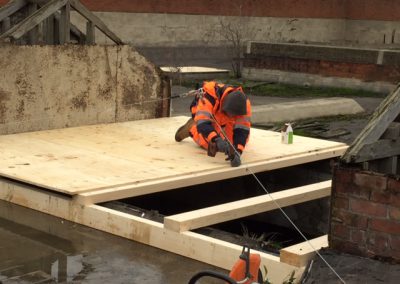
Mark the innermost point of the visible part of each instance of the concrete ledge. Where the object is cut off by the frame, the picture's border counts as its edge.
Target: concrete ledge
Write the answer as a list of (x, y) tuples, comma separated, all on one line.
[(195, 72), (291, 111)]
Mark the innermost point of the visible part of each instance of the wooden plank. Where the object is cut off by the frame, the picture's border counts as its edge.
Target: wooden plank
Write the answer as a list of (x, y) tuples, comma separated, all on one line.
[(380, 149), (96, 21), (246, 207), (188, 244), (385, 114), (137, 189), (90, 35), (30, 22), (300, 254), (11, 7), (132, 158), (64, 23)]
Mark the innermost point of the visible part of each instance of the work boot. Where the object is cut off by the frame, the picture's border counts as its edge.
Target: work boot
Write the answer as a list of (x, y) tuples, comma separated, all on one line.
[(183, 131)]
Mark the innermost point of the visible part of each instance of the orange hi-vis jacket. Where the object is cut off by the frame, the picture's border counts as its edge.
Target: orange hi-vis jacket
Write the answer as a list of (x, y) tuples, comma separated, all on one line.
[(209, 117)]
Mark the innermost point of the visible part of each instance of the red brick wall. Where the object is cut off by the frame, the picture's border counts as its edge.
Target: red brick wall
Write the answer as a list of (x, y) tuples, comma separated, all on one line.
[(388, 10), (262, 8), (365, 214), (365, 72), (385, 10)]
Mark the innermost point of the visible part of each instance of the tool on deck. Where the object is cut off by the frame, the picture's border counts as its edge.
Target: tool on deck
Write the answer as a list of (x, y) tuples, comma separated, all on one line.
[(246, 270)]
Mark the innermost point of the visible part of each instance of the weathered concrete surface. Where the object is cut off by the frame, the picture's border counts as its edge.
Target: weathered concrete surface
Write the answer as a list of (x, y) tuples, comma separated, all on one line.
[(47, 87), (176, 30), (303, 109)]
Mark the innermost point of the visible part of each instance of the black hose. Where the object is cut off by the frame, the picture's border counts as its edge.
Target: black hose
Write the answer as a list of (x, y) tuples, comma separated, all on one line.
[(213, 274)]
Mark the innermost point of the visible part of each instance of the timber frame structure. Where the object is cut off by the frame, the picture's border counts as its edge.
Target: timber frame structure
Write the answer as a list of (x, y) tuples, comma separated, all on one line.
[(120, 160), (48, 22), (377, 147)]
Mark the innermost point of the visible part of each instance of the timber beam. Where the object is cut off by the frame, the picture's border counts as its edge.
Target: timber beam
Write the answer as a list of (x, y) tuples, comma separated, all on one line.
[(246, 207), (192, 245), (300, 254)]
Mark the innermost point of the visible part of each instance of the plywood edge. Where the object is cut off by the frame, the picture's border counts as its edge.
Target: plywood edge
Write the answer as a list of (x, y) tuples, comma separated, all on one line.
[(300, 254), (137, 189), (199, 247), (246, 207)]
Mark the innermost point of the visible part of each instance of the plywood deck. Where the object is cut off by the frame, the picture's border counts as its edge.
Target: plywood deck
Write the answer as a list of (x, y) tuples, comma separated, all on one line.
[(139, 157), (112, 161)]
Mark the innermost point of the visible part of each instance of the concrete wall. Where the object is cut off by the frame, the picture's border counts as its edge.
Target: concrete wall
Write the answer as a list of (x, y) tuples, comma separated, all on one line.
[(176, 30), (194, 22), (47, 87), (365, 214)]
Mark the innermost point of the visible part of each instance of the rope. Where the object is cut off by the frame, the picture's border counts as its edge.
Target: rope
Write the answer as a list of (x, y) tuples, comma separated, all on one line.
[(247, 169), (279, 207)]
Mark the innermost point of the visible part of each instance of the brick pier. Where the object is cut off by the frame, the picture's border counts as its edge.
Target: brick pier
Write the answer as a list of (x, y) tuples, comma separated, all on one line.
[(365, 214)]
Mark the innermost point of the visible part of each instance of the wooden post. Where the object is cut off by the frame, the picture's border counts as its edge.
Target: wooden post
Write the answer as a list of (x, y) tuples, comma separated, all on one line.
[(64, 27), (49, 30), (389, 165), (33, 33), (90, 33)]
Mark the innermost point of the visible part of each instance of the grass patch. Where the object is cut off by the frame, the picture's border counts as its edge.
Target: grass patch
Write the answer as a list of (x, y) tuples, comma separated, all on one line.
[(289, 90)]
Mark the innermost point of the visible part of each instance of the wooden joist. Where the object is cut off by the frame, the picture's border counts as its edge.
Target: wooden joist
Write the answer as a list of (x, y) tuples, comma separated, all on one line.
[(300, 254), (33, 20), (81, 9), (246, 207), (188, 244)]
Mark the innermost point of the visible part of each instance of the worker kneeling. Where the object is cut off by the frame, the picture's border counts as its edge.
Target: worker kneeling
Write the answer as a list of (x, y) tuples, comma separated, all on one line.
[(220, 121)]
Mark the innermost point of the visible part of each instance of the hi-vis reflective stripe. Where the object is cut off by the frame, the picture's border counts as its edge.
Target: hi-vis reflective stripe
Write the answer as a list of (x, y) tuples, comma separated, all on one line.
[(203, 112), (243, 120), (241, 127), (201, 121)]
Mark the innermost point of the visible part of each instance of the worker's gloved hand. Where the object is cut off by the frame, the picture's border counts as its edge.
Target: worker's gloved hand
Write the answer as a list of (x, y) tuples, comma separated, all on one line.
[(222, 145), (235, 160)]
